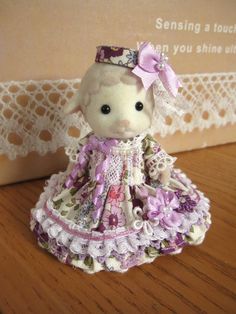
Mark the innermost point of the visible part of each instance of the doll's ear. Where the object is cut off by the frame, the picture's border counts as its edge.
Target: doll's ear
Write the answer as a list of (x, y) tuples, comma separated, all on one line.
[(73, 105)]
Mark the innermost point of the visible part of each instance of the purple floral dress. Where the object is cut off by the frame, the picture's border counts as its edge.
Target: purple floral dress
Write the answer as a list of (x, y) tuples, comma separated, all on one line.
[(111, 212)]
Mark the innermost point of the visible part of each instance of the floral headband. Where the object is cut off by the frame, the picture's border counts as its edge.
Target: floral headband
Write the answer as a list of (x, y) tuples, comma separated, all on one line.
[(146, 63)]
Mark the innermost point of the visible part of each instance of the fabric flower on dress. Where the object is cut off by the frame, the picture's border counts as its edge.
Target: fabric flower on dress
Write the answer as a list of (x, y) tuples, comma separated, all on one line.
[(113, 218), (116, 194), (154, 208), (172, 220), (142, 221), (161, 208)]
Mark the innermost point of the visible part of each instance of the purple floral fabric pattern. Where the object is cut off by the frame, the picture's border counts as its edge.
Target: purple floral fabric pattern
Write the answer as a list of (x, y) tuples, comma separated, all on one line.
[(114, 218), (116, 194), (115, 55), (187, 203), (137, 218)]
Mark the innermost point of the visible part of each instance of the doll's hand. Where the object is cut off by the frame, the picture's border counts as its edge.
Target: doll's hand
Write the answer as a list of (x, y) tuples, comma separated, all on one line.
[(70, 166), (159, 169), (165, 176)]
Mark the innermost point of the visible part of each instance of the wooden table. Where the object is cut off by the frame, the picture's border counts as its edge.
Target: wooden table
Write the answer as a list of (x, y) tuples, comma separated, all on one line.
[(200, 280)]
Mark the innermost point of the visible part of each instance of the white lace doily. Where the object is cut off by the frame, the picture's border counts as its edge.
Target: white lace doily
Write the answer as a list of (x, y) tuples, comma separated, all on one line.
[(206, 99), (32, 117)]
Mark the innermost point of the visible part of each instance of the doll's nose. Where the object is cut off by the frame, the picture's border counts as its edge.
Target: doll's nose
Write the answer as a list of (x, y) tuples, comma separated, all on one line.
[(124, 123)]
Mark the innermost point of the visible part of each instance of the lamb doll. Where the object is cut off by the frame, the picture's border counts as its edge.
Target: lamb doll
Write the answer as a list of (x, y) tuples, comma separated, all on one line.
[(121, 202)]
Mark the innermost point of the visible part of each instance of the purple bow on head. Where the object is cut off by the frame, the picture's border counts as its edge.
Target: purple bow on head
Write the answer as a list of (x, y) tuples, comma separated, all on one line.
[(153, 65)]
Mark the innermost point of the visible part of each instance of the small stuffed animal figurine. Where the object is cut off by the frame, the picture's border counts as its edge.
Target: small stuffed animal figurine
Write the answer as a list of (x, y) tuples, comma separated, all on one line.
[(121, 202)]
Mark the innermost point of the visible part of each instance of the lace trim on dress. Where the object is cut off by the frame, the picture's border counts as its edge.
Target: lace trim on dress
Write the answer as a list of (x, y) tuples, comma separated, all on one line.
[(159, 162), (130, 143)]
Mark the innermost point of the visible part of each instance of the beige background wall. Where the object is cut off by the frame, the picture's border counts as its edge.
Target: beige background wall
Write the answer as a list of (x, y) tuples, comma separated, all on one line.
[(53, 39), (57, 38)]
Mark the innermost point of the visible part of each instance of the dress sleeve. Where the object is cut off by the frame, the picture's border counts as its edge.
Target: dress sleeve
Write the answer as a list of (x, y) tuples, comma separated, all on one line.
[(73, 150), (156, 158)]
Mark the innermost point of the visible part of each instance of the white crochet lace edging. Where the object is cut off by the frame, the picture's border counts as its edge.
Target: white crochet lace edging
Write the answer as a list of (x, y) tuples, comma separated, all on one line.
[(83, 244), (122, 145), (159, 163), (32, 116), (130, 143), (206, 100)]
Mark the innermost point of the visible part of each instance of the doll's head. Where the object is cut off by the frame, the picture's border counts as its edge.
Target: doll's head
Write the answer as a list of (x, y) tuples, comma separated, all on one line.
[(115, 100)]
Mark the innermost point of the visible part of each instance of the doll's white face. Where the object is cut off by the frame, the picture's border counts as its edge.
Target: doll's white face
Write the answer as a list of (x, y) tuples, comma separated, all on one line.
[(120, 111)]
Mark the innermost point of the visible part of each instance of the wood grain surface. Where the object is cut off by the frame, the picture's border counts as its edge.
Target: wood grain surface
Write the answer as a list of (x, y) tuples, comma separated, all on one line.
[(200, 280)]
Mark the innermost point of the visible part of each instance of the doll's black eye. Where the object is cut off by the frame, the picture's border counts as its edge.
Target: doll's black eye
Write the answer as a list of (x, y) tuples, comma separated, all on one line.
[(139, 106), (105, 109)]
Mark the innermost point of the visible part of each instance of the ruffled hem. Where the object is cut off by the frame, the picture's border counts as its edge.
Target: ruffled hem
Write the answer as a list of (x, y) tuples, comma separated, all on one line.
[(93, 243), (72, 245), (119, 262)]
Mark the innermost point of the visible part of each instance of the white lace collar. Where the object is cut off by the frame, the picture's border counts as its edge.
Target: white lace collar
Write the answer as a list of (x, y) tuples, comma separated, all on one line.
[(131, 142)]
